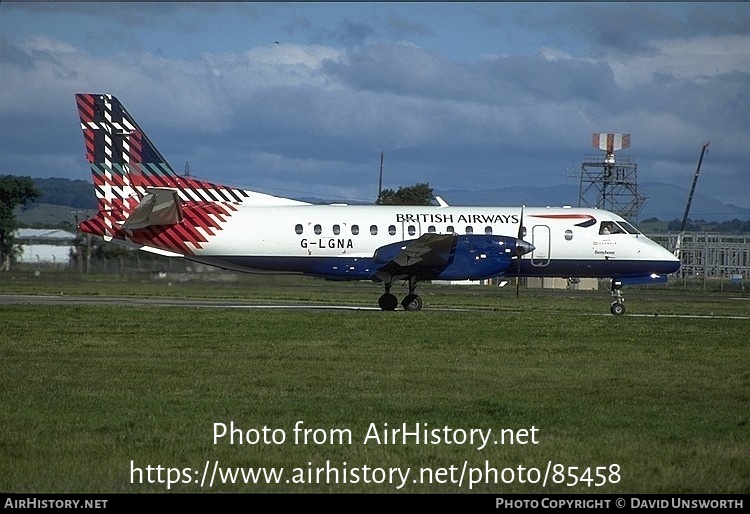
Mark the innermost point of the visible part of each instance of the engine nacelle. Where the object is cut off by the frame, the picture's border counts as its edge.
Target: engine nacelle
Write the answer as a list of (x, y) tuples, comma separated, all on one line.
[(450, 256), (479, 256)]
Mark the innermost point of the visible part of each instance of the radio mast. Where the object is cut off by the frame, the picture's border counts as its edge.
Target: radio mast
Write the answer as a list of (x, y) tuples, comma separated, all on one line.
[(609, 182)]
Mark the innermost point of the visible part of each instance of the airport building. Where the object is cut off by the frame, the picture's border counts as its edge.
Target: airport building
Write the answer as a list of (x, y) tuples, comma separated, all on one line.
[(45, 246), (711, 256), (708, 257)]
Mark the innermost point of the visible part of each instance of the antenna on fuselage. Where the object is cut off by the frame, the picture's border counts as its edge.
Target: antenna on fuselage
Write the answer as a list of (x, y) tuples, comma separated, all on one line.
[(518, 258)]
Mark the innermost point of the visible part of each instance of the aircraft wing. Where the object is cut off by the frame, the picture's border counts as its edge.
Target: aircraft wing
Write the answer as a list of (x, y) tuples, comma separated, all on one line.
[(449, 256), (427, 251)]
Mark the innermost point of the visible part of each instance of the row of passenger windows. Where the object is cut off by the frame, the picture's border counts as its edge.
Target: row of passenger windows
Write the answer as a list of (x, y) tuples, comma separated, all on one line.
[(410, 229), (607, 227)]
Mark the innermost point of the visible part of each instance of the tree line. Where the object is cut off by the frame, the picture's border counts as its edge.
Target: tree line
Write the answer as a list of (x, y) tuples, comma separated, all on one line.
[(14, 191)]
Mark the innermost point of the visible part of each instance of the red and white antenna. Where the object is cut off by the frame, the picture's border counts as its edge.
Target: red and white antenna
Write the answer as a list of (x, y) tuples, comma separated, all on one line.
[(610, 143)]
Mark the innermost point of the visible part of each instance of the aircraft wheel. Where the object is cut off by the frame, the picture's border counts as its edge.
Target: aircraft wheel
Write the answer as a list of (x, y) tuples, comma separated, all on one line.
[(412, 302), (617, 309), (388, 302)]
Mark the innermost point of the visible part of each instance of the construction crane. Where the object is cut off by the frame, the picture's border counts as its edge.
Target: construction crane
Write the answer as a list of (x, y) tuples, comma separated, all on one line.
[(690, 200)]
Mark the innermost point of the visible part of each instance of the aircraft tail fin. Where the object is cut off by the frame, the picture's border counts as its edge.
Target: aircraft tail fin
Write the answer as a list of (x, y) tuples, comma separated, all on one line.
[(125, 164)]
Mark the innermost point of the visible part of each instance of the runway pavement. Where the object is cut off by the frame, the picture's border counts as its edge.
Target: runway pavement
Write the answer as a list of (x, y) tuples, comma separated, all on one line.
[(21, 299), (9, 299)]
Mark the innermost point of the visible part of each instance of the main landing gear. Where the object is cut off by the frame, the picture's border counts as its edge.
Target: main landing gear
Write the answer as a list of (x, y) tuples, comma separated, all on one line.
[(411, 302), (618, 304)]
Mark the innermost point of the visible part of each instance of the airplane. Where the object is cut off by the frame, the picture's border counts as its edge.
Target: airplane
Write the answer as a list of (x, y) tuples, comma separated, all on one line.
[(144, 204)]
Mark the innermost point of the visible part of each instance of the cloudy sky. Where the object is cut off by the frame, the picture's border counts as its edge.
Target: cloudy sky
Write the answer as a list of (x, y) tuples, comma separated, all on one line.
[(299, 99)]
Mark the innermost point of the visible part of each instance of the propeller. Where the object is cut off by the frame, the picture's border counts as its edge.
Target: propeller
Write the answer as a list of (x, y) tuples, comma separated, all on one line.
[(518, 258)]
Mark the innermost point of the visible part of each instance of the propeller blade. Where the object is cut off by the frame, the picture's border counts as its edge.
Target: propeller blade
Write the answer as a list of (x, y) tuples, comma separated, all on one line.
[(518, 258)]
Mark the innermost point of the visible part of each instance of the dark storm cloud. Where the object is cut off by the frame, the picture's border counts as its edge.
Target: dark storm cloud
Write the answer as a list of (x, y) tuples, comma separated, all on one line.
[(127, 13), (622, 28), (401, 27), (314, 117), (12, 56), (406, 70), (719, 19), (635, 26), (346, 32)]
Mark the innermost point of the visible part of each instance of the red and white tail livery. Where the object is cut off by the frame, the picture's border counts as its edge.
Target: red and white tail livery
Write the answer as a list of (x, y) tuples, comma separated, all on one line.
[(143, 204)]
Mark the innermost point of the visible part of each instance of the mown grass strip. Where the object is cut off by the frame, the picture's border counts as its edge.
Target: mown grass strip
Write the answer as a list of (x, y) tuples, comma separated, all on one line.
[(87, 389)]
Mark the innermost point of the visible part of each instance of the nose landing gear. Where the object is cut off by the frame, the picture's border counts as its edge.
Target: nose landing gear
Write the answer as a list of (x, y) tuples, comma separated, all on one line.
[(618, 305)]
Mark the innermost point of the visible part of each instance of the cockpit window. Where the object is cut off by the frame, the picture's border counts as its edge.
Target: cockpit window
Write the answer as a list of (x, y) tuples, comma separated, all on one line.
[(610, 227), (629, 228), (621, 227)]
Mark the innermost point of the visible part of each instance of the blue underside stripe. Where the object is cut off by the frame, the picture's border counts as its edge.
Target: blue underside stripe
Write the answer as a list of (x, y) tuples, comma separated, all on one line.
[(362, 269)]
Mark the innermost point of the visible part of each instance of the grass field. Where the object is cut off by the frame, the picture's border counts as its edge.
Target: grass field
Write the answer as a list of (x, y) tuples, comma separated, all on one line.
[(92, 395)]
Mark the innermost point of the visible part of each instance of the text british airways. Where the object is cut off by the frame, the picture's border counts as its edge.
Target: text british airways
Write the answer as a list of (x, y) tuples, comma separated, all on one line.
[(461, 218)]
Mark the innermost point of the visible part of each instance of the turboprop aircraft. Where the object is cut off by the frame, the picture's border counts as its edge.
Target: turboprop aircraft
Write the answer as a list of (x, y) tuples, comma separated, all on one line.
[(144, 204)]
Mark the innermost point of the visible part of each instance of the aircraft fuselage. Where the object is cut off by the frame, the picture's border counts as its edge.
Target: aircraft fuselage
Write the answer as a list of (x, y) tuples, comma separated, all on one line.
[(335, 241)]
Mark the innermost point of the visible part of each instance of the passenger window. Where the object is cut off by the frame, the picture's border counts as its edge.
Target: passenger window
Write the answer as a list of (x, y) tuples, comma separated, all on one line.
[(412, 230), (298, 228), (568, 235), (336, 229), (355, 229), (469, 229), (450, 229), (431, 229), (392, 230), (318, 229), (374, 230), (488, 230)]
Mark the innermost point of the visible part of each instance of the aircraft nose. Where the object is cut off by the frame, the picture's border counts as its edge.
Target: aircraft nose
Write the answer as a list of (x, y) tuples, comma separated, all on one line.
[(673, 263), (523, 247)]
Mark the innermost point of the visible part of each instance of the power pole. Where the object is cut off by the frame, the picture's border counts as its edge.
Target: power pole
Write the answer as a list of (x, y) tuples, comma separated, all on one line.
[(380, 181)]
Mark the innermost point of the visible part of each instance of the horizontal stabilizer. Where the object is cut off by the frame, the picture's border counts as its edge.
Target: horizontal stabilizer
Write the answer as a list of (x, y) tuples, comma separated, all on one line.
[(160, 206), (145, 248)]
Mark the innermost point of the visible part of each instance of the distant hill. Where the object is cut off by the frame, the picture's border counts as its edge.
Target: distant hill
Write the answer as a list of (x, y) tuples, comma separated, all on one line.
[(664, 201), (61, 201), (78, 194)]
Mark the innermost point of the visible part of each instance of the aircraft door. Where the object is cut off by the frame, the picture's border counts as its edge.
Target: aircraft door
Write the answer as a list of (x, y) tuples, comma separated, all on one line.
[(540, 238)]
